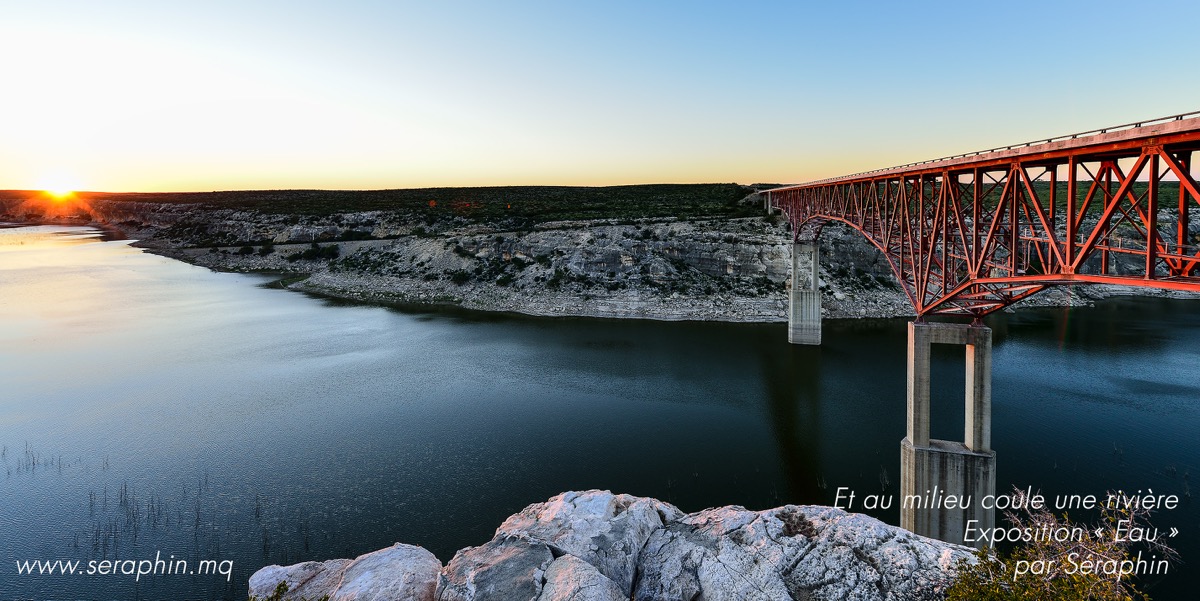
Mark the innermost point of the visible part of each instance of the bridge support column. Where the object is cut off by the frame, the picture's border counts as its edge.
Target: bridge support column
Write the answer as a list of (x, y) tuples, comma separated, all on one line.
[(932, 470), (804, 304)]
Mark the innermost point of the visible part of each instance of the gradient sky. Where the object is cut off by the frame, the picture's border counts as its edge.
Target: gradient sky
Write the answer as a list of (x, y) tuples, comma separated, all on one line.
[(216, 95)]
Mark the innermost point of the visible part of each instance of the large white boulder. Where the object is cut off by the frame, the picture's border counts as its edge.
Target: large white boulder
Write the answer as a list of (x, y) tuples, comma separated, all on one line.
[(398, 573)]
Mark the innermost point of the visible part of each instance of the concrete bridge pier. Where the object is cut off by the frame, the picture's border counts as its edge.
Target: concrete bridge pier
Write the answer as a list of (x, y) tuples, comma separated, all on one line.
[(804, 303), (934, 469)]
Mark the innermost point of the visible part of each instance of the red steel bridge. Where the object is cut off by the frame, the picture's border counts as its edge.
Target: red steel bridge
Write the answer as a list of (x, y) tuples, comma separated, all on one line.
[(973, 233)]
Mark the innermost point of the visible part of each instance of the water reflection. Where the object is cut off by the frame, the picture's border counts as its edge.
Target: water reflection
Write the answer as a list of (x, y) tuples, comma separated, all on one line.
[(154, 405), (793, 401)]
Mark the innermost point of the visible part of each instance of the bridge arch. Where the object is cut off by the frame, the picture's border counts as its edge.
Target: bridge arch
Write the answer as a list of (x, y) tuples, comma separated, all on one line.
[(974, 233), (971, 234)]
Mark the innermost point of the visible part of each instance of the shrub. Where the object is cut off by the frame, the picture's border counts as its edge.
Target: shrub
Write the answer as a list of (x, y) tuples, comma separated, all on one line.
[(356, 235), (322, 252), (280, 593), (994, 576), (316, 251)]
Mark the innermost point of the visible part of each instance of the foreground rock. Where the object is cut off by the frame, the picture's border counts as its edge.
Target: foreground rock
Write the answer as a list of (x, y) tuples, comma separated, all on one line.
[(576, 543), (595, 545), (806, 552), (398, 573)]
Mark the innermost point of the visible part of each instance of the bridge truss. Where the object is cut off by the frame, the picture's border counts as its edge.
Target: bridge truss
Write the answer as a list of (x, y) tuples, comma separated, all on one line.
[(971, 234)]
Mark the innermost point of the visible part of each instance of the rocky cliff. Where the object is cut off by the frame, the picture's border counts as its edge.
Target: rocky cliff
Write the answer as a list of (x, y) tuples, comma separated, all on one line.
[(716, 268), (729, 267), (596, 545)]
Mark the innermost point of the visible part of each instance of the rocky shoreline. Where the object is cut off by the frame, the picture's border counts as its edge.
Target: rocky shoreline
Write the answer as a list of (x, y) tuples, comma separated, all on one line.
[(734, 269), (596, 545)]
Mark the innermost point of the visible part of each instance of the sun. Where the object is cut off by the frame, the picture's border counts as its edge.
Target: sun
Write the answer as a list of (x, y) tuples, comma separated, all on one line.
[(58, 186), (60, 194)]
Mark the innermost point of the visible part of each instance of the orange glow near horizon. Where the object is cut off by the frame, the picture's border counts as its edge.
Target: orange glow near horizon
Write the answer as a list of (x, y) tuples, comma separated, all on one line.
[(52, 203), (58, 184)]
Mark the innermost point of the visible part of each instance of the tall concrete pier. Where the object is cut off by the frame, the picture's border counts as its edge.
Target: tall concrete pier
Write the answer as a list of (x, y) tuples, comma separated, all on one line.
[(804, 304), (935, 469)]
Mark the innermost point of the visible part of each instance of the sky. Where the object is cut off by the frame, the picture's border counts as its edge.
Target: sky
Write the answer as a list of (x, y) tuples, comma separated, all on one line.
[(127, 95)]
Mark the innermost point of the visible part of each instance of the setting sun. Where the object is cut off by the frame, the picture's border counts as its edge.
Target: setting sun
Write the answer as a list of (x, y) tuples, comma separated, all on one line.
[(58, 185)]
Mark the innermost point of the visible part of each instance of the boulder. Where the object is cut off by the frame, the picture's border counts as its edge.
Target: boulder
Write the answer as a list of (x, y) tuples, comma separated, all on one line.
[(504, 568), (597, 529), (571, 579), (398, 573), (605, 530), (600, 546), (792, 552), (311, 579)]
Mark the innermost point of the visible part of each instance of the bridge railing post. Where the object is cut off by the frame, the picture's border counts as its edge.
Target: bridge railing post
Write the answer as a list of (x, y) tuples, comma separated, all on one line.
[(935, 469)]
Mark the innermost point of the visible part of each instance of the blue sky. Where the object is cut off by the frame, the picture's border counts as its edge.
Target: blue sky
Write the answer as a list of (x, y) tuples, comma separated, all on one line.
[(233, 95)]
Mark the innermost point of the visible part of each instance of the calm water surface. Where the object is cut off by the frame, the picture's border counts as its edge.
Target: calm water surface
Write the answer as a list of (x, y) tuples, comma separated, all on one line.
[(151, 406)]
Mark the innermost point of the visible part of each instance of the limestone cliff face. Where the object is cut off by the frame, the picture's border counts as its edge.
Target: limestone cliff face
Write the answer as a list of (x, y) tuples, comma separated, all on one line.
[(700, 269), (704, 269), (715, 269), (733, 270), (596, 545)]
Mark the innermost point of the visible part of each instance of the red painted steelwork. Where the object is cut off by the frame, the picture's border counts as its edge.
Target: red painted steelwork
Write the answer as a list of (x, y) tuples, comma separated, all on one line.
[(971, 234)]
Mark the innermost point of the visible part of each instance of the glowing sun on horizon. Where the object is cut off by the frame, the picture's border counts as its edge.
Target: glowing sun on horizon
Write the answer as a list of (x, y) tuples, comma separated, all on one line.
[(59, 187)]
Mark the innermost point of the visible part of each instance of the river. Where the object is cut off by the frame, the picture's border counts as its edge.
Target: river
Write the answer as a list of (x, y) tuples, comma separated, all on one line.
[(150, 406)]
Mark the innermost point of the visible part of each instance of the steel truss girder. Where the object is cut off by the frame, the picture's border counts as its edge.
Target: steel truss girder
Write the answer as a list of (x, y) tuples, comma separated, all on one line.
[(972, 236)]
